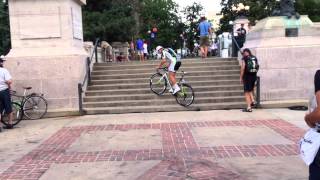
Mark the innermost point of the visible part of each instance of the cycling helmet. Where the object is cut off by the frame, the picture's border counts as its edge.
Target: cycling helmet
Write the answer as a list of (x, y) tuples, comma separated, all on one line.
[(158, 49)]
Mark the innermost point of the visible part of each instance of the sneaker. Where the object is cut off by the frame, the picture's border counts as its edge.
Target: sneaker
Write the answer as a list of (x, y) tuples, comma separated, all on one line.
[(171, 90), (176, 90), (9, 126), (254, 105), (247, 110)]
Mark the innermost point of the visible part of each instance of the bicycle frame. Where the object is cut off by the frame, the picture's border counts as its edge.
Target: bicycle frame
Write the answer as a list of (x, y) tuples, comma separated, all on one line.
[(165, 76)]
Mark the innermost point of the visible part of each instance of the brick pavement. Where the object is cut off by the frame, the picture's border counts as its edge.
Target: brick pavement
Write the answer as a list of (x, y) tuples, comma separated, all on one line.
[(181, 156)]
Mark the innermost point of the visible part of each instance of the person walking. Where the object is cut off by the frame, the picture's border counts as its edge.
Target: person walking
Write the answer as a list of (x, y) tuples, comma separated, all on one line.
[(5, 97), (313, 121), (248, 77), (205, 30), (145, 50), (139, 45)]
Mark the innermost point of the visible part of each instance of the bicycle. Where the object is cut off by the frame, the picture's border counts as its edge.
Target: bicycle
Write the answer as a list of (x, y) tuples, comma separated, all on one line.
[(32, 106), (160, 81)]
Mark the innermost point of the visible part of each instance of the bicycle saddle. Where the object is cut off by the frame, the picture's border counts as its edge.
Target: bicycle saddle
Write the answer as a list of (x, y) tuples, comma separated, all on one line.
[(27, 88)]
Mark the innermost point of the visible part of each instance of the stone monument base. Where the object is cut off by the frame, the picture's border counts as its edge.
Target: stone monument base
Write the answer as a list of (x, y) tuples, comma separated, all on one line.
[(57, 77), (287, 64)]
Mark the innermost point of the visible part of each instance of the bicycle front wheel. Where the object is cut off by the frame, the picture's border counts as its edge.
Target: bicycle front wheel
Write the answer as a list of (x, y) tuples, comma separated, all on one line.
[(17, 115), (158, 84), (186, 96), (35, 107)]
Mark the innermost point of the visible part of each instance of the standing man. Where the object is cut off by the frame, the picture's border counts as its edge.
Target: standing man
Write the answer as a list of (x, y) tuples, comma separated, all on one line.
[(5, 97), (312, 120), (139, 46), (242, 33), (205, 30), (248, 77)]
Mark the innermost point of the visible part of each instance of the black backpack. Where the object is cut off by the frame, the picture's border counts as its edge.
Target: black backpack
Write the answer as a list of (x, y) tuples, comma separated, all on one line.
[(252, 65)]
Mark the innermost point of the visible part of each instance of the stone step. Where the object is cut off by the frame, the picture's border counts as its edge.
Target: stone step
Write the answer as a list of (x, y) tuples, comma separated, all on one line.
[(152, 96), (153, 66), (152, 70), (153, 62), (147, 84), (166, 108), (161, 102), (102, 79), (147, 90), (146, 75)]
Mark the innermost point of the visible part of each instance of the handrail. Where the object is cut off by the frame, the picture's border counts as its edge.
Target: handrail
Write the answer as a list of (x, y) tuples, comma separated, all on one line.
[(258, 93), (87, 77)]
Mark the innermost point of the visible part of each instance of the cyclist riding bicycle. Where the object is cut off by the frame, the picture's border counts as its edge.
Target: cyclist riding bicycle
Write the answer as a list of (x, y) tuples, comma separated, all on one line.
[(173, 62)]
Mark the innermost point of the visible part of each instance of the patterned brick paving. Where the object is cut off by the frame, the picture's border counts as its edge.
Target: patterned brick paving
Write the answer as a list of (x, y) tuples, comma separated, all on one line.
[(181, 157)]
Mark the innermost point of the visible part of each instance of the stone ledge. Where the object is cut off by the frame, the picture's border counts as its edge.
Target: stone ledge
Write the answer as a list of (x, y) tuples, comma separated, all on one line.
[(284, 103), (62, 113)]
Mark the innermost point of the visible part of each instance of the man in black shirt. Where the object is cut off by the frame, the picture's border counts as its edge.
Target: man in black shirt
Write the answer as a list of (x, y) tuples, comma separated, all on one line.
[(311, 119), (242, 32), (248, 77)]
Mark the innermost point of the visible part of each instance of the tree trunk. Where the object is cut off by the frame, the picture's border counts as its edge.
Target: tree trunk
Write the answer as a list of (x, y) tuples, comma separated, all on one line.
[(136, 16)]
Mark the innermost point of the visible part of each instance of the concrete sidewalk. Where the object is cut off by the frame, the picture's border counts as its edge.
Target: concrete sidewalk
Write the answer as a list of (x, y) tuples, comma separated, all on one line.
[(183, 145)]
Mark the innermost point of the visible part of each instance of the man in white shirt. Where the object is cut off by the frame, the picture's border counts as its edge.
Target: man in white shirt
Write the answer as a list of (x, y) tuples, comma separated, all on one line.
[(5, 97)]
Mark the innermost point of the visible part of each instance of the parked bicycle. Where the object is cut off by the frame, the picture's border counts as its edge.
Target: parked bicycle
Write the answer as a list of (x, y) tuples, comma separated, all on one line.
[(31, 106), (159, 83)]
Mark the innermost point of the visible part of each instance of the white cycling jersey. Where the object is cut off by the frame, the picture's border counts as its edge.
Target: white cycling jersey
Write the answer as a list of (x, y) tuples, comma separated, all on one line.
[(170, 56)]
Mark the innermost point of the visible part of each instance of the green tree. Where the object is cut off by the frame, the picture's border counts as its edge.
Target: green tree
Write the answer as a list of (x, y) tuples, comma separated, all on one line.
[(263, 8), (109, 20), (5, 44), (192, 15), (258, 10), (309, 7), (161, 14)]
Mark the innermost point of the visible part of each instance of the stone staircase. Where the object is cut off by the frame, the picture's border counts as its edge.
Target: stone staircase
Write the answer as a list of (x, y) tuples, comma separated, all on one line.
[(124, 87)]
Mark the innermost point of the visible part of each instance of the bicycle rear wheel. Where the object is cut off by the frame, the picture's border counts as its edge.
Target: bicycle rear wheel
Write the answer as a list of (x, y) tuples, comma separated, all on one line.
[(35, 107), (158, 84), (17, 115), (186, 96)]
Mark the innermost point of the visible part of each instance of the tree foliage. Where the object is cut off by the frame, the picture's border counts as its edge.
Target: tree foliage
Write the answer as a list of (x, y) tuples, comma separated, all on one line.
[(162, 14), (109, 20), (309, 7), (5, 44), (192, 15), (263, 8)]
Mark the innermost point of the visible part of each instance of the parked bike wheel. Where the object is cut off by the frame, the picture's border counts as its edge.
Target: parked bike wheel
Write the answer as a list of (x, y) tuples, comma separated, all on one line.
[(35, 107), (158, 84), (186, 96), (17, 114)]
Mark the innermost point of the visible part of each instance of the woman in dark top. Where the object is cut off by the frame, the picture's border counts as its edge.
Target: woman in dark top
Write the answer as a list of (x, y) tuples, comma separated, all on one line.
[(248, 78), (312, 119)]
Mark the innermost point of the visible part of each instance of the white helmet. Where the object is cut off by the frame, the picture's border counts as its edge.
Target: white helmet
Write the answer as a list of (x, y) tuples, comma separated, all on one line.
[(159, 48)]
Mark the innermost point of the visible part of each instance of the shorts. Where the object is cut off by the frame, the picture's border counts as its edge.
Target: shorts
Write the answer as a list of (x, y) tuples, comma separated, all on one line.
[(5, 101), (140, 52), (314, 168), (249, 82), (174, 66), (204, 41)]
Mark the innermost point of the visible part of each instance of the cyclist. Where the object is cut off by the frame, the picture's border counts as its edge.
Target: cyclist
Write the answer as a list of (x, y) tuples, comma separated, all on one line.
[(170, 58)]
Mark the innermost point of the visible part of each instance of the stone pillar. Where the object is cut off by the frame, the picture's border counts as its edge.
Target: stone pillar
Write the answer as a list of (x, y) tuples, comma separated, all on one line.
[(287, 64), (47, 49)]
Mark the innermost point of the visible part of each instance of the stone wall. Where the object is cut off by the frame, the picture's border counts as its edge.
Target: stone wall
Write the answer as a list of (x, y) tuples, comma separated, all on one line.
[(287, 64)]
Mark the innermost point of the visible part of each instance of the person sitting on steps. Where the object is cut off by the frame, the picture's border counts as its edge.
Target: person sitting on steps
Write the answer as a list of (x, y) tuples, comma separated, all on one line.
[(169, 57)]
